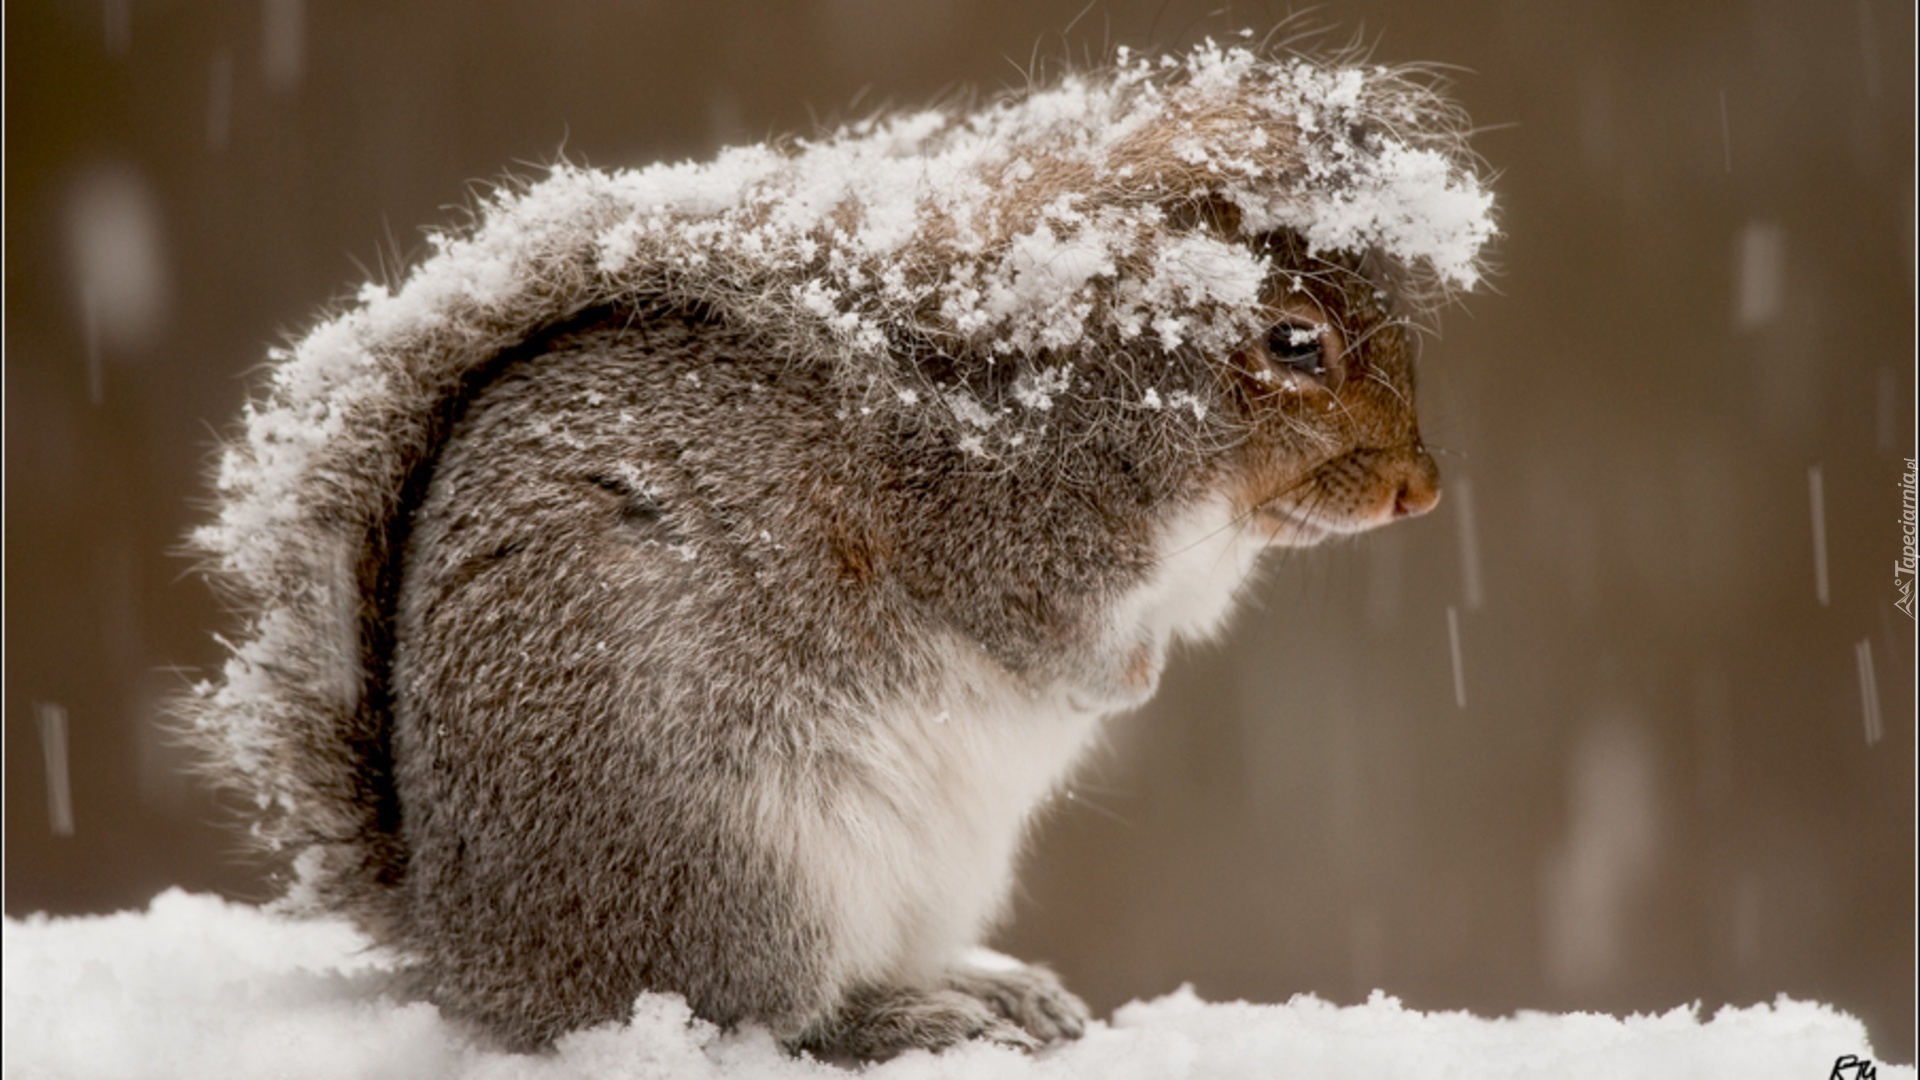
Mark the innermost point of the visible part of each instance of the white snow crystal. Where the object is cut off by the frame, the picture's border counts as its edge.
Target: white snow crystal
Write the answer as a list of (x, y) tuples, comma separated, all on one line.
[(1186, 399), (1036, 390), (968, 409)]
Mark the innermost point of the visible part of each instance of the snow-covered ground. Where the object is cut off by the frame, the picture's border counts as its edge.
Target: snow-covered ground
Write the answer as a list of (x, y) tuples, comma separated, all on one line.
[(199, 987)]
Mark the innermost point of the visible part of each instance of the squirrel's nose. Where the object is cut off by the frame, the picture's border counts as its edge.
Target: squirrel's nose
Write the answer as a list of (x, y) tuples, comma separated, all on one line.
[(1419, 486)]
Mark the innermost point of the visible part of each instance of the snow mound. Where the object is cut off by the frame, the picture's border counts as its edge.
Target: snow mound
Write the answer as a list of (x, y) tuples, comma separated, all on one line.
[(200, 987)]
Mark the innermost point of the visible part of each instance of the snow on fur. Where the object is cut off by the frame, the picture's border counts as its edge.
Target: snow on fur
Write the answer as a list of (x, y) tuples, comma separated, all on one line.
[(200, 988), (1110, 211)]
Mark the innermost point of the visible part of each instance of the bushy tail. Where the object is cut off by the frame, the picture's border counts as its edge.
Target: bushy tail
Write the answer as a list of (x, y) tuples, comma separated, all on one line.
[(314, 493)]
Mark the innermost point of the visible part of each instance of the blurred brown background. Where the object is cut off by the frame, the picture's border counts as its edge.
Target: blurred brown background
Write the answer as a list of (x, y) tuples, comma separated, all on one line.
[(1678, 774)]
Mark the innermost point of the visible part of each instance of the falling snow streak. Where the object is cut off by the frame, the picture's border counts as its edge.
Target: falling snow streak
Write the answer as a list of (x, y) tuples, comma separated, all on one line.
[(52, 720), (1816, 495), (1459, 669), (1462, 492), (1762, 275), (116, 254), (1869, 689), (283, 47), (1611, 851)]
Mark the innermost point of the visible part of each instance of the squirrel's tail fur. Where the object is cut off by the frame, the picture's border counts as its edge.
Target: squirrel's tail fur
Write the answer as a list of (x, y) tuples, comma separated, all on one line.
[(909, 253), (315, 495)]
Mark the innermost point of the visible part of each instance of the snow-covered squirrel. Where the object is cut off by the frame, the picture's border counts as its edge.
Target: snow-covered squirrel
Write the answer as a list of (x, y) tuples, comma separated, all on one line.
[(692, 579)]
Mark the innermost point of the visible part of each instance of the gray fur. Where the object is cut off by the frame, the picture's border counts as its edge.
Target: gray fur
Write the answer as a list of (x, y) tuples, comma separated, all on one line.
[(607, 631)]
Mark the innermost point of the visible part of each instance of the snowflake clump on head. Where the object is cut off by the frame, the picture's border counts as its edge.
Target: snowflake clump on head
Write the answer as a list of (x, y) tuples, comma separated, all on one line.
[(1041, 221)]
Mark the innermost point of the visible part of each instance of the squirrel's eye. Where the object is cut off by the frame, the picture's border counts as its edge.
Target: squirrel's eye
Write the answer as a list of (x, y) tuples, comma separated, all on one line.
[(1297, 347)]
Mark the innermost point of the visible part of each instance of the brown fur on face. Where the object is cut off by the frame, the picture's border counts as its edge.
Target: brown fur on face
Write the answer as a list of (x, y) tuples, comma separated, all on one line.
[(1339, 453)]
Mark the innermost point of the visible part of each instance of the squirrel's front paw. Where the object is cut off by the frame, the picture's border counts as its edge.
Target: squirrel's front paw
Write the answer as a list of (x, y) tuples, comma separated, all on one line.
[(1025, 994), (1121, 676)]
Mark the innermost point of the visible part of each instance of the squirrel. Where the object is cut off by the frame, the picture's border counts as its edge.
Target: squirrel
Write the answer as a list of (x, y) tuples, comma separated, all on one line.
[(695, 578)]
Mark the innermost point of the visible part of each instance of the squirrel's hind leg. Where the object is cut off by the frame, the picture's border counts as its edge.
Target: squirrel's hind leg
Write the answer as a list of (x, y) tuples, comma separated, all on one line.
[(1008, 1003), (874, 1023), (1026, 994)]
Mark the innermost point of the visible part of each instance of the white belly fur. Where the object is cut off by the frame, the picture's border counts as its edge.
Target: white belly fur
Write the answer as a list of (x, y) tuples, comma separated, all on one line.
[(911, 865)]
